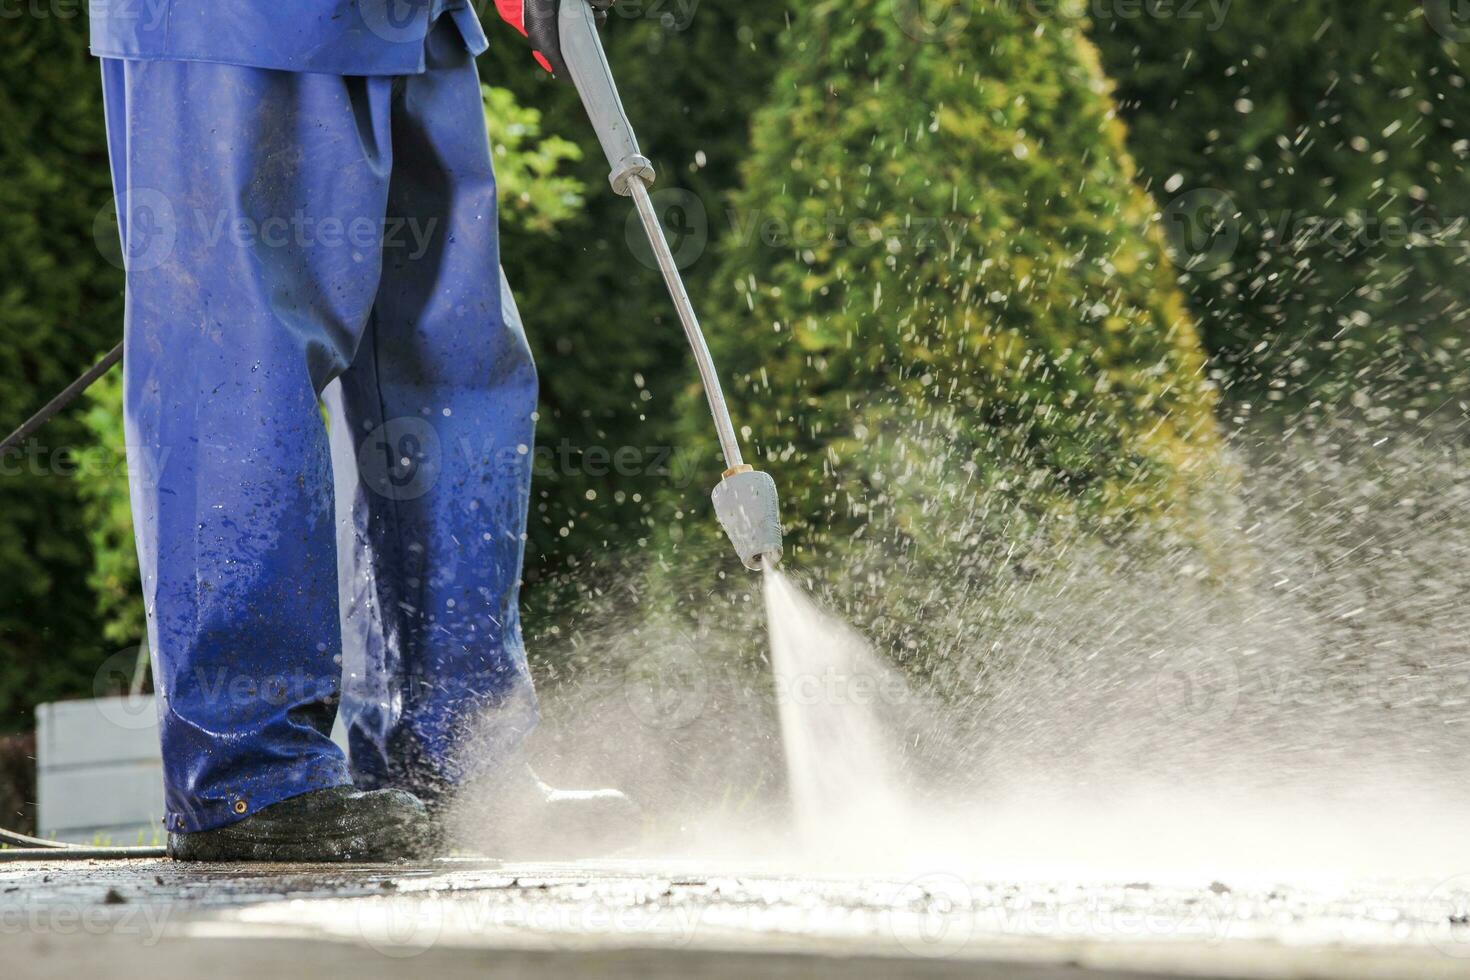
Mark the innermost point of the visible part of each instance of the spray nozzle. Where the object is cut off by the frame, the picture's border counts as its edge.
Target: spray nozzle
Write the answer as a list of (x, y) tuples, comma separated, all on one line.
[(746, 504)]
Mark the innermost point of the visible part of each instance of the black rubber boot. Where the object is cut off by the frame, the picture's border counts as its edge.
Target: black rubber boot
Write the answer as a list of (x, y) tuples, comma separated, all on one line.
[(335, 824)]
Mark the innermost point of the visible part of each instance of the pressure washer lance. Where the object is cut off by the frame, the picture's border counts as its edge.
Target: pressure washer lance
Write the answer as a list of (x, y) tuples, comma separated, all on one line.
[(745, 499)]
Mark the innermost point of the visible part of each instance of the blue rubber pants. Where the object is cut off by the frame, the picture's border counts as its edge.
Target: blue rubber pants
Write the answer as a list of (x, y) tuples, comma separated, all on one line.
[(329, 404)]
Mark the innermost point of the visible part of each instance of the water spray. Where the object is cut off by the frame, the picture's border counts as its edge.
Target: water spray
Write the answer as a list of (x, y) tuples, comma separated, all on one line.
[(745, 499)]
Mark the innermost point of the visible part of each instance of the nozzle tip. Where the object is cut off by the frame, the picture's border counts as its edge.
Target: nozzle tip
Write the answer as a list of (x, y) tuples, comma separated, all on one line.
[(746, 505), (766, 562)]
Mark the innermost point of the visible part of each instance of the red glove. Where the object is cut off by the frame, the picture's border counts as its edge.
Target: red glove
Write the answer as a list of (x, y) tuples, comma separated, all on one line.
[(537, 20)]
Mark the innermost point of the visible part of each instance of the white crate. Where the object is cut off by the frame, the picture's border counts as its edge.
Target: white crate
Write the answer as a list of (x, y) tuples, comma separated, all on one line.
[(99, 775)]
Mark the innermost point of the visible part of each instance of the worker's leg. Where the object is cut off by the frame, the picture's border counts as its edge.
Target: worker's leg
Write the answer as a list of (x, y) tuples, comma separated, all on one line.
[(250, 205), (437, 425)]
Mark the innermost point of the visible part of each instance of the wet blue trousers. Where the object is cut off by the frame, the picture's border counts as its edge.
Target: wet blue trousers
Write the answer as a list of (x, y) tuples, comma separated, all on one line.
[(329, 405)]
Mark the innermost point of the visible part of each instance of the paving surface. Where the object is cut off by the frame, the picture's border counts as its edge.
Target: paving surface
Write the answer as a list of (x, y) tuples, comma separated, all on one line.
[(453, 918)]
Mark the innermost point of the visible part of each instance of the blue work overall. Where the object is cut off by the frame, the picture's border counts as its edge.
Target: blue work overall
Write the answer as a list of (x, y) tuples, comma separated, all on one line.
[(329, 398)]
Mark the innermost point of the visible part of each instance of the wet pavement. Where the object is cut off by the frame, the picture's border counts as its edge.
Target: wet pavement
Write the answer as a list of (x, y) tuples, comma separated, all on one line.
[(459, 917)]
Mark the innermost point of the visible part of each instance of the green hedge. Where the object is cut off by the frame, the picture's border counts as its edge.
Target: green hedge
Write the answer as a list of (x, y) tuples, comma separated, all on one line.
[(60, 310), (950, 316), (1331, 136)]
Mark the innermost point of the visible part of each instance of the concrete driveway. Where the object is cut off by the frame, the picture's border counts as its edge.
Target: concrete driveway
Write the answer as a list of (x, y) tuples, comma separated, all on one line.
[(461, 917)]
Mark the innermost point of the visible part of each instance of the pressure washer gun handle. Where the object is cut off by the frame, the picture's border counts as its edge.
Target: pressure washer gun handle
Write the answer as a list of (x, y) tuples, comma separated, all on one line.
[(581, 51)]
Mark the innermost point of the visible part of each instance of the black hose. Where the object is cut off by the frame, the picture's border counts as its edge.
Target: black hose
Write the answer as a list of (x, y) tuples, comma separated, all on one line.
[(10, 838), (67, 396), (78, 853), (21, 847)]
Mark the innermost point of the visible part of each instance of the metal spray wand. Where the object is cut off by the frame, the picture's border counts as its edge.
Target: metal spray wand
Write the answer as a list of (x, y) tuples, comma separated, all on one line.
[(745, 499)]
